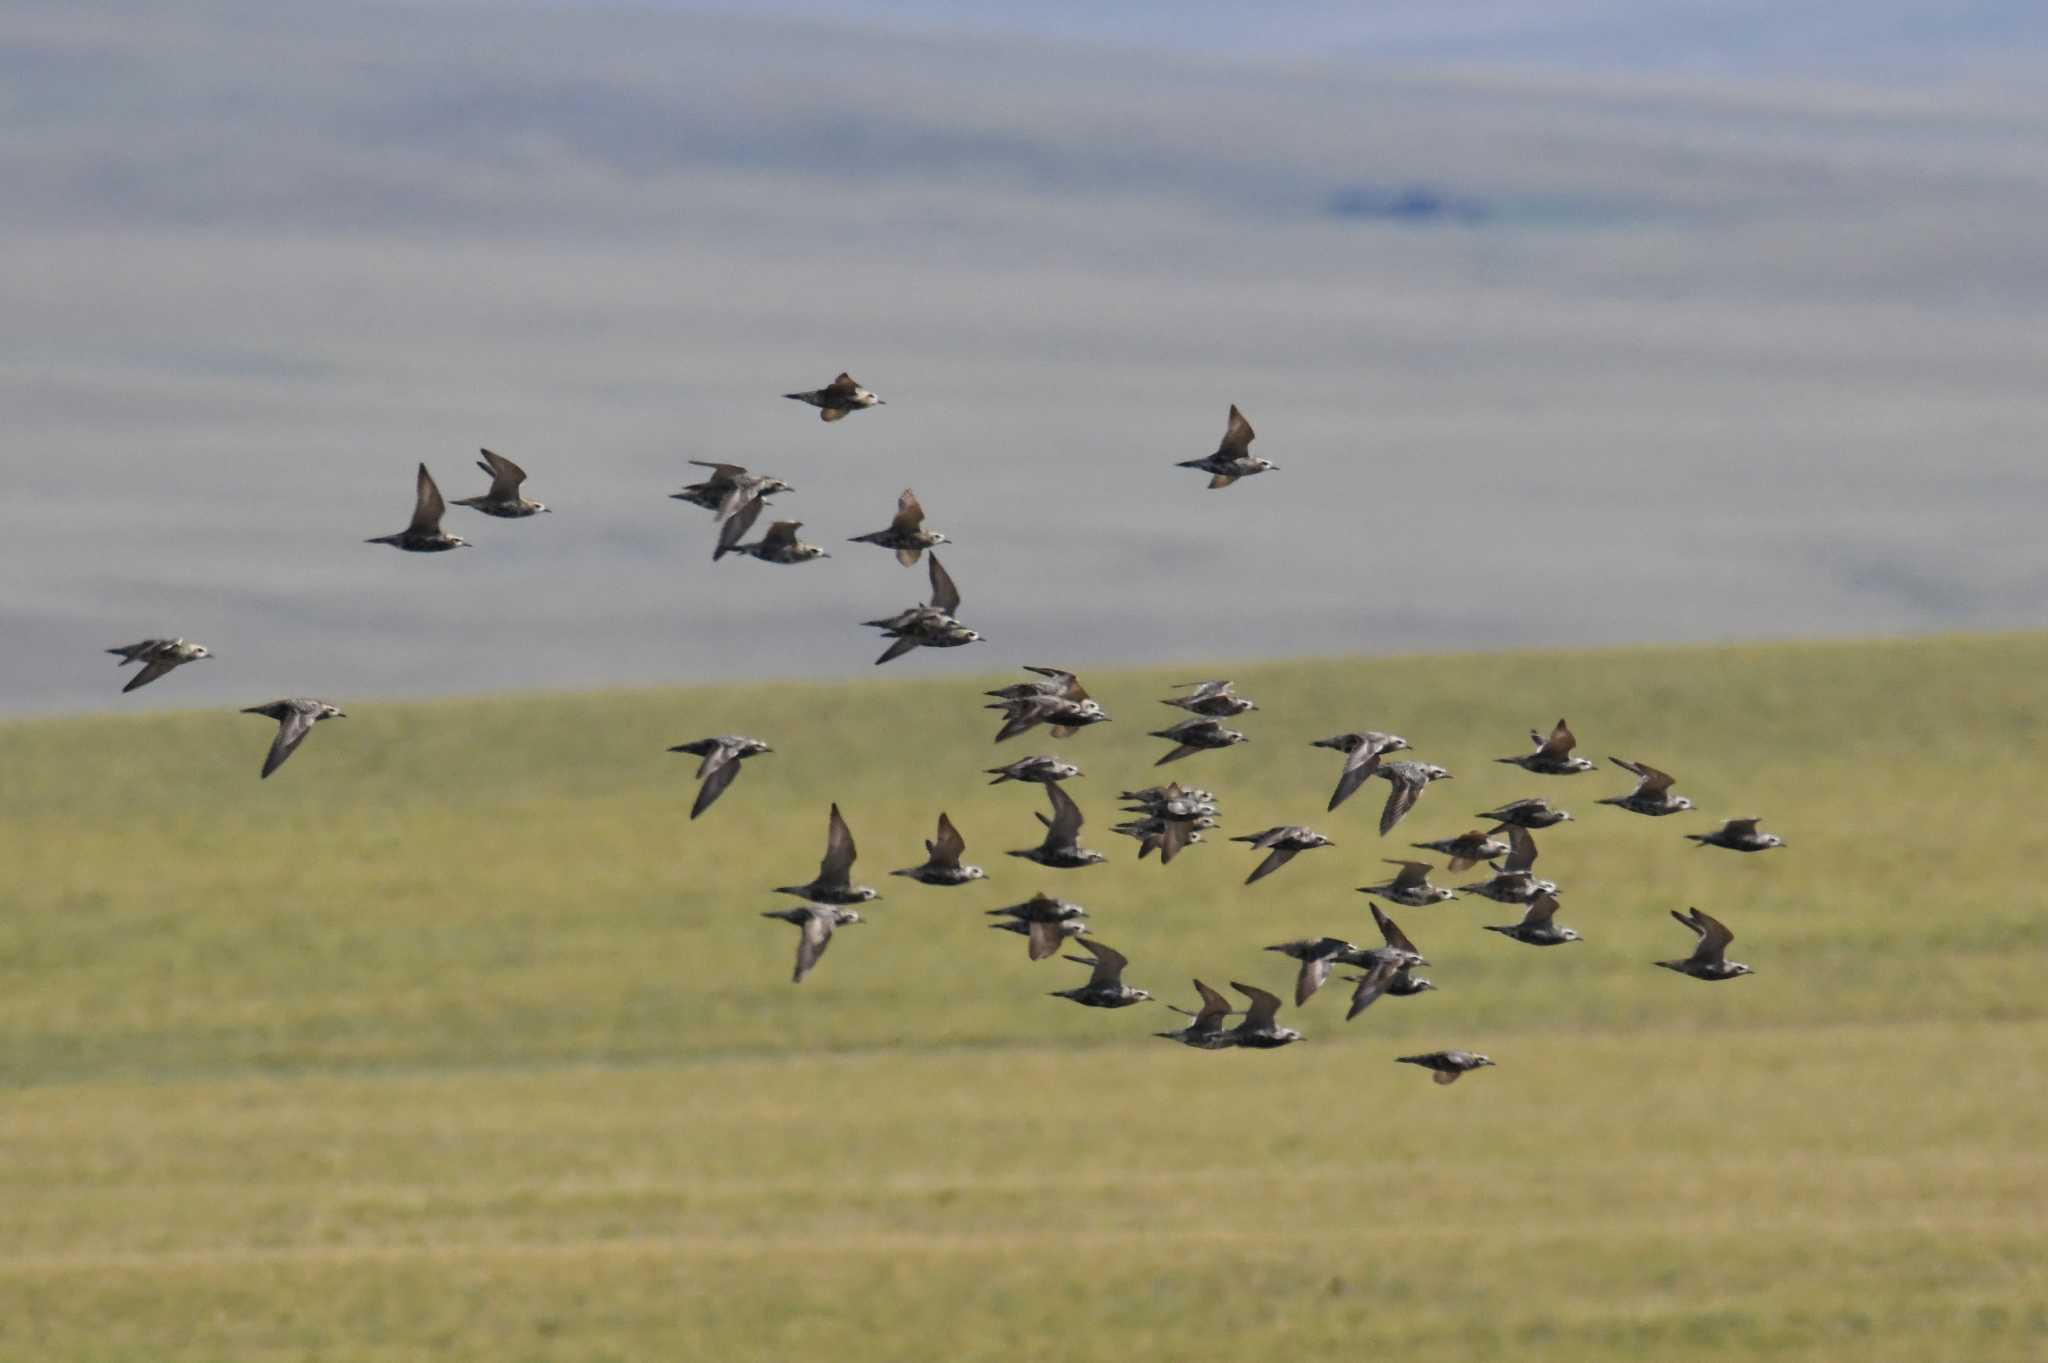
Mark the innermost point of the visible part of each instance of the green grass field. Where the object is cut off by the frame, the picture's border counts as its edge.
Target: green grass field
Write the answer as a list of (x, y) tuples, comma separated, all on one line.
[(456, 1040)]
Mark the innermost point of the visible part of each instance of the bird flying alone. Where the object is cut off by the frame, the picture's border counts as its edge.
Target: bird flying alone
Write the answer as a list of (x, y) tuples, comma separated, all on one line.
[(929, 626), (833, 883), (815, 924), (1537, 928), (1061, 850), (1553, 755), (504, 499), (1105, 987), (1042, 769), (1206, 1032), (1280, 846), (424, 535), (1233, 458), (158, 658), (1446, 1066), (1739, 835), (1409, 780), (837, 398), (1652, 795), (295, 718), (721, 765), (1191, 736), (1362, 754)]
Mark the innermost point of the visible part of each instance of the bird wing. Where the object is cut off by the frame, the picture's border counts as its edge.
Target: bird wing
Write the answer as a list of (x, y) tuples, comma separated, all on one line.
[(1371, 985), (1222, 480), (835, 867), (1407, 789), (1064, 828), (949, 845), (724, 473), (1045, 939), (1205, 690), (897, 649), (1714, 938), (945, 596), (909, 512), (1412, 875), (1559, 744), (292, 727), (1741, 828), (781, 535), (1070, 687), (427, 507), (1540, 911), (151, 670), (736, 526), (814, 934), (1309, 978), (1264, 1010), (1359, 765), (1275, 859), (506, 476), (1391, 931), (714, 785), (1237, 436), (843, 385), (1109, 963), (1522, 849), (1649, 781), (1174, 835), (1214, 1009)]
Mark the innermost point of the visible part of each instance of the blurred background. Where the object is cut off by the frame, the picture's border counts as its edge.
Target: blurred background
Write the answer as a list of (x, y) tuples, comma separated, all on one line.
[(1566, 323)]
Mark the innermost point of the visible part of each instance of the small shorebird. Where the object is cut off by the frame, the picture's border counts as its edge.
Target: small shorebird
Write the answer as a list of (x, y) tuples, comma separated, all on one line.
[(1408, 780), (727, 479), (832, 884), (942, 859), (1652, 795), (1446, 1065), (1206, 1032), (1061, 850), (1537, 927), (838, 397), (1046, 921), (1233, 458), (1105, 987), (504, 500), (1280, 845), (1362, 754), (158, 658), (906, 534), (1411, 887), (1709, 959), (424, 535), (1739, 835), (1211, 699), (1534, 812), (1044, 770), (1467, 849), (1196, 735), (1553, 754), (721, 765), (1260, 1029), (295, 718), (815, 924)]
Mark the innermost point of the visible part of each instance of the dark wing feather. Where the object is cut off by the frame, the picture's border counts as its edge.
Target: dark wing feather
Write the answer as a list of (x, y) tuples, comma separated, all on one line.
[(835, 867), (945, 596), (427, 506), (714, 785), (292, 728)]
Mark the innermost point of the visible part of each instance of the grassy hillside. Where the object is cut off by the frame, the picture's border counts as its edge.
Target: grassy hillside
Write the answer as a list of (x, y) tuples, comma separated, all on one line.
[(457, 1039)]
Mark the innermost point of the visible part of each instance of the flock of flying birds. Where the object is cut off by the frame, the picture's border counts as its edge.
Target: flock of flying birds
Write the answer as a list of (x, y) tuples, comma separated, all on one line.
[(1165, 819)]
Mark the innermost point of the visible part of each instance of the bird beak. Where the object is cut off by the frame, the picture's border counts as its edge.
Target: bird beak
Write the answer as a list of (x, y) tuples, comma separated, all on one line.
[(341, 714)]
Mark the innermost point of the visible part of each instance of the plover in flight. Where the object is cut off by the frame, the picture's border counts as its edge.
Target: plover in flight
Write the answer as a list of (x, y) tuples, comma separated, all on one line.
[(906, 534), (1260, 1030), (942, 859), (1047, 921), (504, 500), (1553, 755), (1446, 1066), (721, 765), (1206, 1032), (1411, 887), (1045, 770), (1405, 983), (815, 924), (1534, 812), (1280, 845), (1362, 754), (1537, 927), (1709, 959), (1211, 699), (1061, 850), (780, 544), (930, 626), (424, 535), (833, 883), (1467, 849), (726, 480), (1514, 880), (1316, 955), (1233, 458), (838, 397), (1196, 735), (1652, 794), (1408, 780), (1105, 987), (295, 718), (158, 657), (1739, 835), (1058, 699)]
